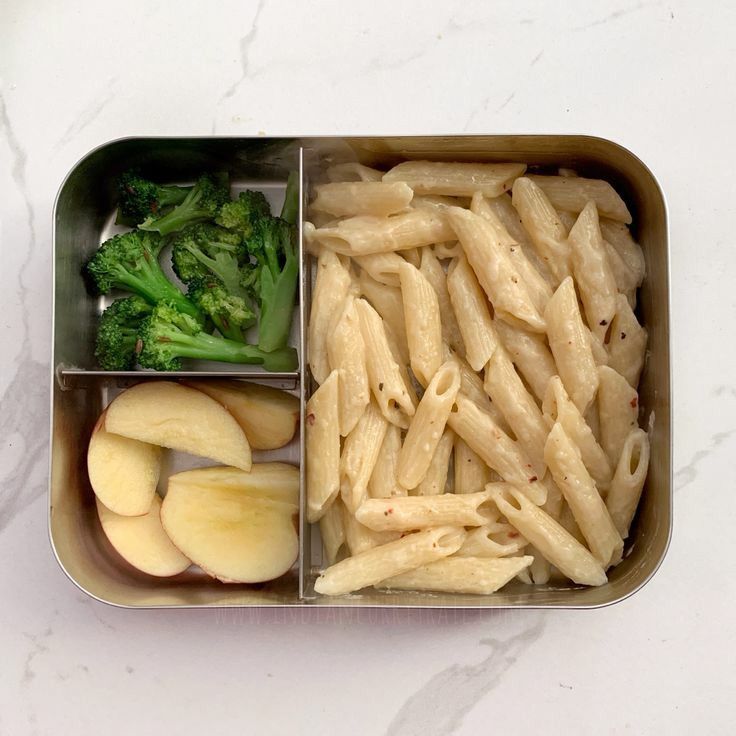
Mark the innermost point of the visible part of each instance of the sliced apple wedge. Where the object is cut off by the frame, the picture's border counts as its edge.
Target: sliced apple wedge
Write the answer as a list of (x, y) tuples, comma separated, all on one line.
[(268, 416), (269, 481), (230, 533), (123, 472), (181, 418), (142, 541)]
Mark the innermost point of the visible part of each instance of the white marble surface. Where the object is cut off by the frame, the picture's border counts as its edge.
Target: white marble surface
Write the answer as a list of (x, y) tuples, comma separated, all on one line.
[(657, 77)]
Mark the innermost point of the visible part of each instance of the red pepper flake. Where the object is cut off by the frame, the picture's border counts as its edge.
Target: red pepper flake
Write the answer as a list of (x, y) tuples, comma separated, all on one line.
[(310, 419), (603, 322), (390, 511), (385, 513), (380, 386), (513, 535), (623, 335), (633, 402), (533, 478)]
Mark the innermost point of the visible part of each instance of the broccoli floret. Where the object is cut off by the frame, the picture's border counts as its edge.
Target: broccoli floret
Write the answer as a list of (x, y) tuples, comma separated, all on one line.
[(130, 261), (241, 214), (168, 335), (274, 277), (205, 250), (141, 198), (290, 209), (202, 203), (117, 333), (230, 314)]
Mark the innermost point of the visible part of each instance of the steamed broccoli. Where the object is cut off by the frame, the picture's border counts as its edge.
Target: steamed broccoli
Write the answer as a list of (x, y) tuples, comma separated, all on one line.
[(204, 250), (273, 278), (290, 209), (130, 261), (168, 335), (230, 314), (202, 203), (117, 334), (241, 214), (141, 198)]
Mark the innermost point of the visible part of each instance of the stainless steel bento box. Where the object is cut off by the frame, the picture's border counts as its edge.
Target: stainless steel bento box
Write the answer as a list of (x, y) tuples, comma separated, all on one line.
[(83, 217)]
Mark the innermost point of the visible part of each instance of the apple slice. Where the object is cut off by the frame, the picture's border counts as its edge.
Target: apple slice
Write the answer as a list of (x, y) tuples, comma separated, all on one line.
[(142, 541), (268, 416), (181, 418), (269, 481), (229, 532), (123, 472)]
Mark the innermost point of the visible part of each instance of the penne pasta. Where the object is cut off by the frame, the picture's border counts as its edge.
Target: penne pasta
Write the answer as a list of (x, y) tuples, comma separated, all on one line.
[(360, 538), (494, 539), (385, 379), (359, 455), (427, 426), (432, 270), (573, 193), (478, 430), (347, 199), (495, 269), (471, 473), (383, 267), (590, 512), (547, 233), (435, 481), (455, 179), (422, 512), (423, 323), (628, 480), (592, 271), (628, 344), (322, 445), (377, 564), (540, 569), (530, 354), (536, 285), (571, 346), (471, 309), (332, 531), (437, 201), (504, 210), (383, 482), (445, 251), (386, 300), (618, 407), (346, 354), (507, 392), (630, 252), (353, 171), (364, 234), (623, 276), (330, 289), (598, 350), (559, 408), (464, 575), (550, 538)]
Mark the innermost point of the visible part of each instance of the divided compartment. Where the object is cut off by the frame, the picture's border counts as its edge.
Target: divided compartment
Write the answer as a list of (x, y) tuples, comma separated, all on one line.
[(84, 214), (593, 157)]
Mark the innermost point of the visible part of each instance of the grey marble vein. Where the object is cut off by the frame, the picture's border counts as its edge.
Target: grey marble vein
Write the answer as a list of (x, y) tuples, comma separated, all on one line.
[(689, 472), (615, 15), (37, 647), (439, 707), (24, 402), (88, 115), (246, 43)]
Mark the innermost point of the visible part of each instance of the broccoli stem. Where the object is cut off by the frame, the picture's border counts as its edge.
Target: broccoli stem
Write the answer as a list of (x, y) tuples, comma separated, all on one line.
[(151, 283), (277, 306), (290, 209), (168, 194), (208, 347), (186, 213), (225, 267)]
